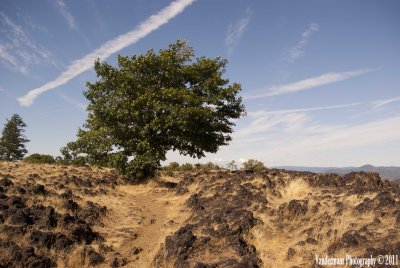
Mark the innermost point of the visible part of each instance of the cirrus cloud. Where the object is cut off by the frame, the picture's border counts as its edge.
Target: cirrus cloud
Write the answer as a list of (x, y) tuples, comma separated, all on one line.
[(103, 52)]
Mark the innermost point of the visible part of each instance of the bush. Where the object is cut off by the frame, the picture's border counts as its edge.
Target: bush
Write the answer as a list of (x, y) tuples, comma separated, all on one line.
[(206, 166), (186, 167), (173, 166), (40, 159), (254, 165)]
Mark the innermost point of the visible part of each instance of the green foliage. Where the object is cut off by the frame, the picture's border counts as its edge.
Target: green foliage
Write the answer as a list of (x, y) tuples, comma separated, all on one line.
[(40, 159), (206, 166), (186, 167), (12, 142), (253, 165), (173, 166), (154, 103)]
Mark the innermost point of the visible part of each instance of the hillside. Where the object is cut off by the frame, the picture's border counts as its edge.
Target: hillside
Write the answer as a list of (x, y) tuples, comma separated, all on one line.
[(67, 216), (386, 173)]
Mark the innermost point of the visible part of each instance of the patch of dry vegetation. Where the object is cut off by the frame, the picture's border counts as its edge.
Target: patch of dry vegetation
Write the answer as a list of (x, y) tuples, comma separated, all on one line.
[(274, 218)]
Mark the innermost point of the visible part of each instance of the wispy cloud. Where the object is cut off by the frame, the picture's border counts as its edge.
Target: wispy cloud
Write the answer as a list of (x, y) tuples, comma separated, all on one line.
[(311, 109), (298, 136), (298, 50), (79, 66), (309, 83), (263, 121), (381, 103), (342, 136), (76, 103), (17, 50), (236, 31), (62, 7)]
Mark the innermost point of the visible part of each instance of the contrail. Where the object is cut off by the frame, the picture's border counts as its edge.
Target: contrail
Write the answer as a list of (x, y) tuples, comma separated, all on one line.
[(79, 66)]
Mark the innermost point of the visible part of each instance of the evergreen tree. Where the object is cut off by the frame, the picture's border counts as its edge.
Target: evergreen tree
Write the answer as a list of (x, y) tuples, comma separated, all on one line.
[(12, 145)]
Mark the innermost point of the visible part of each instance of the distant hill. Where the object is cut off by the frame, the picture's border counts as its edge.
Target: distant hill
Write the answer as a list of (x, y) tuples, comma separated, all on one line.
[(387, 173)]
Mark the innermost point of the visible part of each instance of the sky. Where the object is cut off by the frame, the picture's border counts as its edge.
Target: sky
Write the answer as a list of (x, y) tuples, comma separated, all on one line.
[(320, 79)]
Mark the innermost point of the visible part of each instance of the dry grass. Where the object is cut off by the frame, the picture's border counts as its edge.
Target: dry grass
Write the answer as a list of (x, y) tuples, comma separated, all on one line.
[(137, 215), (142, 216)]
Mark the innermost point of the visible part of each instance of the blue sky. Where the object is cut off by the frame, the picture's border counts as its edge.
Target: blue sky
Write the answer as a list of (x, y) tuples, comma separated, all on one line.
[(320, 78)]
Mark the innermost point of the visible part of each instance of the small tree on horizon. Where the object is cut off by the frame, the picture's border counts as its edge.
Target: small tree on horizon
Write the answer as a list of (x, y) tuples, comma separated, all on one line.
[(153, 103), (12, 141), (40, 159), (253, 165), (232, 165)]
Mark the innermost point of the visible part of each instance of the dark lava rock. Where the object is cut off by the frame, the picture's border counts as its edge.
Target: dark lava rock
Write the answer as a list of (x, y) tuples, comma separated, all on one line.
[(41, 262), (363, 182), (180, 242), (290, 253), (15, 256), (384, 199), (167, 184), (365, 206), (16, 201), (71, 205), (33, 176), (315, 208), (193, 200), (387, 249), (297, 207), (311, 241), (67, 219), (83, 233), (44, 217), (397, 219), (62, 242), (93, 257), (6, 182), (39, 190), (67, 194), (349, 239), (13, 231), (19, 217), (327, 180), (339, 208), (118, 262), (92, 212), (43, 239), (136, 250)]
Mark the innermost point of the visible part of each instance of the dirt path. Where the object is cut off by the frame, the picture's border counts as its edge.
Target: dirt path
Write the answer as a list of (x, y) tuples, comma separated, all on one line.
[(140, 217)]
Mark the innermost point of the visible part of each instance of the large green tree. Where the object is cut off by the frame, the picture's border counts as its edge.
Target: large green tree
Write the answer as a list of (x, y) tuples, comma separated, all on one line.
[(12, 142), (153, 103)]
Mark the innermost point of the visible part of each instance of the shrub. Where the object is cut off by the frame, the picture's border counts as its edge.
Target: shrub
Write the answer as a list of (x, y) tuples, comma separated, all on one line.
[(206, 166), (40, 159), (253, 165), (186, 167)]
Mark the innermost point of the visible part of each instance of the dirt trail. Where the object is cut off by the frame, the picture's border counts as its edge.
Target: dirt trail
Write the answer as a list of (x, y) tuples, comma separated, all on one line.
[(140, 217)]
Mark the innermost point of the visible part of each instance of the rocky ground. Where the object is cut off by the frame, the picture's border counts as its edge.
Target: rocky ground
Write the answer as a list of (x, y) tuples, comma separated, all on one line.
[(65, 216)]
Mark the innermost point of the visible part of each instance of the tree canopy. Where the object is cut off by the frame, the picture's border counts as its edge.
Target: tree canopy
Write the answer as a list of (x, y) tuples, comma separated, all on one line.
[(12, 141), (40, 159), (153, 103)]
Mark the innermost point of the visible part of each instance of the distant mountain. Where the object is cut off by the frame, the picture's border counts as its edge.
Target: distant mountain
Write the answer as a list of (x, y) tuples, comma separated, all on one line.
[(387, 173)]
